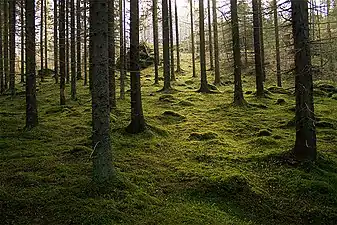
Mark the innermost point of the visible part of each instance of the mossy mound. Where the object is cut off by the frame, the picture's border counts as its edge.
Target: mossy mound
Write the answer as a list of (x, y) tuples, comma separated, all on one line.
[(167, 98), (280, 101), (278, 90), (203, 136), (264, 133)]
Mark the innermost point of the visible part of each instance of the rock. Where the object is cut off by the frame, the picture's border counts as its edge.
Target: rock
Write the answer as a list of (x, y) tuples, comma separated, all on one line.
[(203, 136), (263, 133), (280, 101)]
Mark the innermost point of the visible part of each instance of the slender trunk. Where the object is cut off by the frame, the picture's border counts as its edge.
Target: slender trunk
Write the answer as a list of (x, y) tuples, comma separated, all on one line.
[(305, 144), (204, 85), (263, 70), (155, 40), (177, 36), (22, 35), (67, 45), (320, 41), (78, 39), (85, 53), (257, 50), (166, 46), (62, 49), (277, 46), (330, 56), (56, 43), (72, 50), (173, 78), (12, 4), (6, 66), (2, 77), (111, 41), (245, 38), (211, 60), (192, 38), (41, 40), (121, 52), (31, 104), (137, 124), (216, 45), (45, 35)]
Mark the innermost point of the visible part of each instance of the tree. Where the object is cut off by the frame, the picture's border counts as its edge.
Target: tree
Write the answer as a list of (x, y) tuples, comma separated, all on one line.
[(31, 106), (67, 41), (204, 85), (111, 41), (41, 37), (305, 144), (210, 45), (72, 50), (328, 16), (85, 53), (5, 37), (121, 51), (62, 49), (173, 78), (166, 46), (177, 37), (78, 39), (55, 43), (155, 40), (12, 4), (2, 77), (103, 170), (277, 46), (45, 35), (22, 35), (263, 69), (192, 38), (137, 124), (238, 94), (257, 49), (216, 45)]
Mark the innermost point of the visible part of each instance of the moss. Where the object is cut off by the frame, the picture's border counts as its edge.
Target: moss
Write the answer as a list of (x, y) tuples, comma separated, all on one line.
[(203, 136), (264, 133)]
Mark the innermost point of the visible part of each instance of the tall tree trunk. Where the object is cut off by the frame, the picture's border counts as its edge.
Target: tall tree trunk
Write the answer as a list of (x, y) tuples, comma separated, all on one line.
[(155, 40), (166, 46), (62, 49), (137, 124), (320, 41), (31, 106), (257, 50), (12, 6), (177, 37), (103, 170), (6, 66), (41, 39), (173, 78), (263, 69), (245, 38), (238, 94), (192, 38), (216, 45), (56, 43), (121, 52), (22, 35), (45, 34), (111, 41), (210, 41), (330, 55), (305, 144), (78, 39), (277, 45), (204, 85), (67, 44), (2, 75), (85, 53), (72, 50)]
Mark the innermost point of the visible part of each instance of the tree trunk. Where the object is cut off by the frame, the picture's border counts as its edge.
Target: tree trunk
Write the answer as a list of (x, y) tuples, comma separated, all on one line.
[(62, 49), (263, 69), (210, 45), (78, 39), (85, 53), (330, 54), (12, 6), (111, 41), (5, 22), (45, 35), (41, 39), (173, 78), (121, 51), (277, 45), (320, 42), (204, 85), (31, 106), (177, 37), (238, 94), (22, 35), (56, 43), (72, 50), (245, 38), (137, 124), (166, 46), (305, 144), (67, 46), (257, 50), (192, 38), (155, 40), (216, 45), (2, 77)]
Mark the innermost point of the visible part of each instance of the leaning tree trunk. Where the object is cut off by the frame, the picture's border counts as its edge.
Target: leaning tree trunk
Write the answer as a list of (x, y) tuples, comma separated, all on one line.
[(257, 50), (216, 45), (166, 46), (31, 106), (78, 39), (2, 77), (238, 94), (56, 43), (192, 38), (111, 41), (5, 22), (204, 85), (173, 78), (62, 49), (22, 35), (12, 6), (137, 124), (177, 37), (277, 45), (72, 50), (155, 40), (103, 170), (121, 52), (305, 144), (210, 45)]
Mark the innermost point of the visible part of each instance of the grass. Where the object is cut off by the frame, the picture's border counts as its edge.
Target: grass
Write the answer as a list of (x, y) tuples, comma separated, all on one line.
[(203, 161)]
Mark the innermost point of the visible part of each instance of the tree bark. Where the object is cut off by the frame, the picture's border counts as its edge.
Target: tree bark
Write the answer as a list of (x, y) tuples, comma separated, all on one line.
[(192, 39), (305, 144), (177, 37), (12, 6), (263, 69), (112, 67), (155, 40), (210, 41), (85, 53), (45, 35), (330, 55), (62, 49), (67, 46), (56, 69), (31, 106), (72, 50), (22, 35), (277, 46), (166, 46), (173, 78), (216, 45), (41, 39), (78, 39), (5, 32), (103, 171), (2, 75), (121, 51)]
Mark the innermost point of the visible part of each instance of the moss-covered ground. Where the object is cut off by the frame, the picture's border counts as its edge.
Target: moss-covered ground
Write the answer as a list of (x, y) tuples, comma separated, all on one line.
[(202, 161)]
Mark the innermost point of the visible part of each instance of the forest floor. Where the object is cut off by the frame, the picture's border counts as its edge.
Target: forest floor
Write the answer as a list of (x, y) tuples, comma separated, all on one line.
[(202, 161)]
